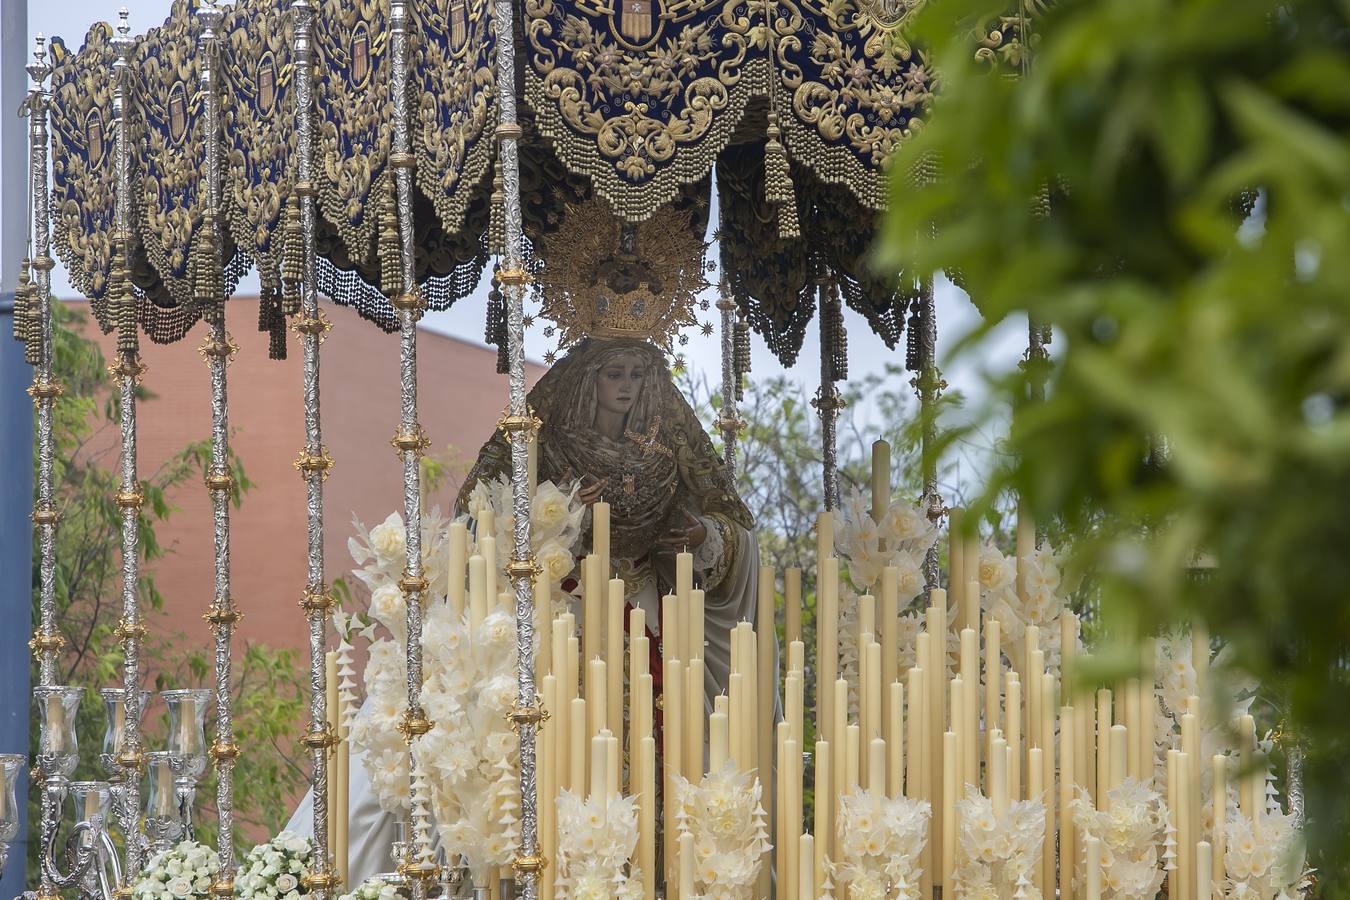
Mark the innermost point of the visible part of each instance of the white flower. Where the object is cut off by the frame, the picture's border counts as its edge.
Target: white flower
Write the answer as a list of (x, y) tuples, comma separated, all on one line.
[(388, 540)]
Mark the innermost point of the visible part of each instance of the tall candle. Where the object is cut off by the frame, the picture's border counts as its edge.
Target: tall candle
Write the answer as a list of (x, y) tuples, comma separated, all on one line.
[(765, 682), (998, 774), (477, 591), (1013, 734), (599, 771), (895, 739), (614, 655), (793, 701), (1219, 798), (1094, 868), (806, 860), (956, 688), (872, 670), (1119, 756), (839, 736), (876, 767), (543, 612), (647, 818), (1246, 744), (792, 605), (1067, 835), (824, 539), (1200, 659), (576, 754), (1190, 745), (936, 708), (696, 620), (672, 733), (888, 615), (184, 736), (1148, 708), (792, 811), (1036, 791), (1186, 837), (852, 736), (956, 576), (592, 608), (881, 479), (951, 756), (694, 713), (796, 657), (166, 804), (600, 534), (488, 548), (827, 640), (684, 574), (737, 724), (914, 734), (993, 673), (970, 710), (867, 619), (487, 522), (1103, 747), (1204, 870), (459, 543), (596, 700), (547, 789), (686, 865), (611, 765), (1132, 716), (824, 813)]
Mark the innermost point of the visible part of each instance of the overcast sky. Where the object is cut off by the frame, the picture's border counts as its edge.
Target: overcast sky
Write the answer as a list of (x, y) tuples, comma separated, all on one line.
[(71, 18)]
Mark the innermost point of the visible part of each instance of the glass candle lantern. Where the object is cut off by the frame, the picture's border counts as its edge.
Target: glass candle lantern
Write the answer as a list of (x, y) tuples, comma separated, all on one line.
[(115, 713), (92, 801), (163, 824), (11, 764), (187, 728), (58, 748)]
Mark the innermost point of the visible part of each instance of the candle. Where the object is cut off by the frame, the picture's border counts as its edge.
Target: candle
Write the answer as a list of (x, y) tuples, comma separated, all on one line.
[(672, 733), (596, 699), (614, 655), (806, 856), (717, 741), (686, 865), (600, 534), (993, 673), (90, 805), (477, 591), (1132, 715), (951, 756), (839, 736), (915, 736), (694, 698), (851, 750), (881, 479), (1186, 837), (696, 620), (1026, 543), (956, 576), (647, 816), (592, 607), (824, 540), (1103, 747), (737, 725), (1246, 744), (1067, 849), (1200, 658), (796, 657), (827, 640), (56, 724), (824, 817), (998, 774), (895, 739), (611, 765), (1190, 746), (876, 767), (867, 618), (547, 790), (872, 677), (792, 811), (1119, 756), (765, 676), (459, 542), (576, 754), (487, 522), (166, 804), (970, 710), (684, 574), (888, 614), (1219, 797), (793, 692), (936, 707), (488, 549), (792, 605), (1013, 716), (970, 613), (344, 781), (1148, 709), (532, 465), (957, 690), (1204, 864), (1036, 791), (600, 772), (1094, 869), (780, 804)]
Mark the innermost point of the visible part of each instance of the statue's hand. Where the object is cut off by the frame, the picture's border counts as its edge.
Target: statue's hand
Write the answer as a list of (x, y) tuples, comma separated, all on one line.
[(588, 494), (691, 535)]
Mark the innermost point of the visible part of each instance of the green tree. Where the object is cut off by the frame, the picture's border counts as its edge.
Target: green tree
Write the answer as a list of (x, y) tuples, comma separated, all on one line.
[(1167, 185), (269, 697)]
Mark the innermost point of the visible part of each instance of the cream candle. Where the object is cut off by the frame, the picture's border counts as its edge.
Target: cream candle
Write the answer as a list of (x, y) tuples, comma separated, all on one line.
[(998, 774), (1036, 791), (970, 615), (696, 620), (614, 654), (993, 674), (827, 640), (914, 735), (888, 624), (839, 736), (970, 710), (737, 726), (1013, 718), (459, 544), (822, 827), (792, 605), (951, 756), (477, 591), (686, 865), (694, 715), (806, 855), (876, 767), (872, 676), (1132, 716), (600, 535), (612, 766), (895, 740), (1094, 869), (488, 548), (647, 816), (956, 575), (577, 751), (824, 539), (881, 479), (1219, 813), (1186, 835), (599, 781), (592, 609), (796, 657), (792, 811), (1148, 708), (1103, 746), (1067, 835), (1119, 756), (596, 700), (672, 733), (852, 735), (793, 700), (1204, 870)]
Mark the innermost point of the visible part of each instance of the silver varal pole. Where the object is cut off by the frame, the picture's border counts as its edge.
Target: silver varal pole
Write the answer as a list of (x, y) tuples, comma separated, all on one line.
[(928, 384), (410, 441), (218, 349), (522, 428), (827, 400), (314, 461), (47, 642), (128, 371), (729, 421)]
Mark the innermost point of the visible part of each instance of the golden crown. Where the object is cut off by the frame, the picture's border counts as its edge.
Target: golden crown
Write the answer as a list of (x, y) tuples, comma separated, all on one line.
[(605, 277)]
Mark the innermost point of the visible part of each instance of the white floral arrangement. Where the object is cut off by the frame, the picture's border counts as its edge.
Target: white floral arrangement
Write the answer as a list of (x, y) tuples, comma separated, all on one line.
[(724, 815), (996, 855), (1135, 836), (881, 840), (276, 870), (556, 521), (595, 848), (867, 548), (184, 871), (1047, 596), (375, 888), (1273, 867)]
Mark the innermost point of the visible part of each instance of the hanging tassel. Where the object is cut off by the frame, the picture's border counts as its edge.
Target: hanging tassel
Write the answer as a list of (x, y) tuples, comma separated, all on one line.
[(122, 301), (208, 282), (387, 244), (292, 252), (276, 330), (21, 305), (741, 357), (778, 188), (495, 332), (497, 214)]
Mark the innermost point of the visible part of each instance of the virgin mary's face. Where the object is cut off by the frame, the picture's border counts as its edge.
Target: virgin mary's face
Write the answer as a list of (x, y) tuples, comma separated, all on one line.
[(618, 383)]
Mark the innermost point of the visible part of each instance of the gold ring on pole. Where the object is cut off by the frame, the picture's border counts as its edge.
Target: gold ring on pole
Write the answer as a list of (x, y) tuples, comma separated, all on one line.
[(45, 515), (412, 584), (317, 601), (508, 131), (313, 326), (413, 441), (523, 568), (527, 715), (44, 264), (46, 642), (130, 499), (412, 301), (320, 738), (127, 630), (222, 888), (314, 463), (222, 750), (223, 615), (46, 390), (402, 160), (513, 276), (303, 189), (529, 865), (413, 725), (220, 481)]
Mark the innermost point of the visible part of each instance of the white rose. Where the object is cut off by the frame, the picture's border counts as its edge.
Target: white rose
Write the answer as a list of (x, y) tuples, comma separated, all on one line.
[(386, 604), (556, 560), (287, 883), (180, 887), (388, 540), (550, 509)]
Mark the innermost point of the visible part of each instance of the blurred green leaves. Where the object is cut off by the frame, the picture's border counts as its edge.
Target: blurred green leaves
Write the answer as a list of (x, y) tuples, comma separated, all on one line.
[(1167, 184)]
